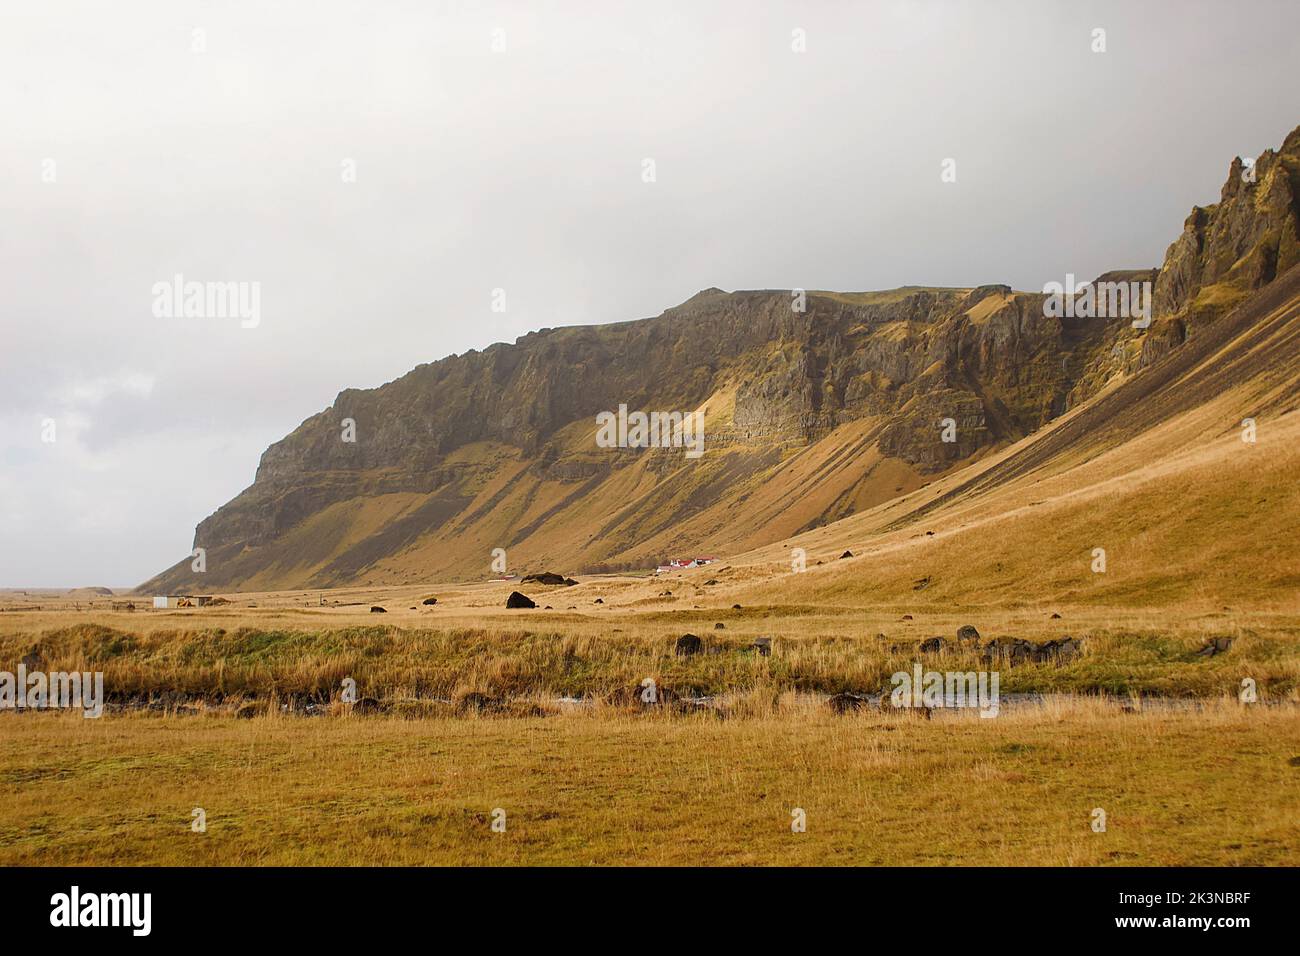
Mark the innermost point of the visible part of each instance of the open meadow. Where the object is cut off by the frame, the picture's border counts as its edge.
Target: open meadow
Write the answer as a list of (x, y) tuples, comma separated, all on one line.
[(468, 715), (1217, 786)]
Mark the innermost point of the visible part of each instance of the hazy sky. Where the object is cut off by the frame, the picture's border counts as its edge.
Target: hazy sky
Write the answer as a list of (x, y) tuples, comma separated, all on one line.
[(136, 148)]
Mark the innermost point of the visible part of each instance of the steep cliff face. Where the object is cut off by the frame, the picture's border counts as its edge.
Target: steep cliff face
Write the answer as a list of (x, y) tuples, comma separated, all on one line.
[(815, 406), (1230, 249)]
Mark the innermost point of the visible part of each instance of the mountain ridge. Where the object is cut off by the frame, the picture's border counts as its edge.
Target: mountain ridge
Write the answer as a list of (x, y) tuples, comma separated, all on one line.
[(809, 417)]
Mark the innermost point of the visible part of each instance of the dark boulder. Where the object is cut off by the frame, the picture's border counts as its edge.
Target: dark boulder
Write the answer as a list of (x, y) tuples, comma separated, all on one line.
[(429, 600), (687, 645), (1215, 645), (1057, 652), (1068, 648), (548, 577), (846, 554), (967, 633), (1008, 650), (376, 609), (517, 600)]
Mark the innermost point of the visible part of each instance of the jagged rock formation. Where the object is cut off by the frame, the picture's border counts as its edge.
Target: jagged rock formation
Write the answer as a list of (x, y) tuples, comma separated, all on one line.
[(1241, 242), (1229, 249), (809, 416)]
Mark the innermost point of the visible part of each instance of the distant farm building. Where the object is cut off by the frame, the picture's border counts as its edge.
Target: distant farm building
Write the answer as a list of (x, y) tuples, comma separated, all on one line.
[(182, 600), (682, 564)]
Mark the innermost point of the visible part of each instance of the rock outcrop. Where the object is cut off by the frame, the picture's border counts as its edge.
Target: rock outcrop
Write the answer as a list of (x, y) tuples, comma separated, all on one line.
[(1240, 243), (1229, 249)]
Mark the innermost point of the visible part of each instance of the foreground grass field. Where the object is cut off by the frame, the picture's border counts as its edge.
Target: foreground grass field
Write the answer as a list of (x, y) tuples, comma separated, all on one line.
[(1218, 785), (1203, 780)]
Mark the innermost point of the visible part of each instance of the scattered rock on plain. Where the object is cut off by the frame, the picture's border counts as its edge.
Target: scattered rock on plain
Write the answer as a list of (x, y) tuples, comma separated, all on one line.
[(687, 645)]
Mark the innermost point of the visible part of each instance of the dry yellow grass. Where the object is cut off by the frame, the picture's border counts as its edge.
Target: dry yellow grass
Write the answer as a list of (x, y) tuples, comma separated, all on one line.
[(472, 643), (1220, 786)]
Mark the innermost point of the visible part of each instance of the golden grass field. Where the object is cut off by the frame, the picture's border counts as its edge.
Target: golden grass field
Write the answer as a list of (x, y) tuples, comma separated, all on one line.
[(1208, 781), (1218, 788)]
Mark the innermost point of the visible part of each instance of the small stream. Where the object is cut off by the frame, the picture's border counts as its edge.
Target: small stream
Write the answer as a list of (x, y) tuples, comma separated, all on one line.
[(867, 703)]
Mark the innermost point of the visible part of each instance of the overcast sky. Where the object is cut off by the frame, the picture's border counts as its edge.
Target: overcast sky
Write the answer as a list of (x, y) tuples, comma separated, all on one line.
[(214, 140)]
